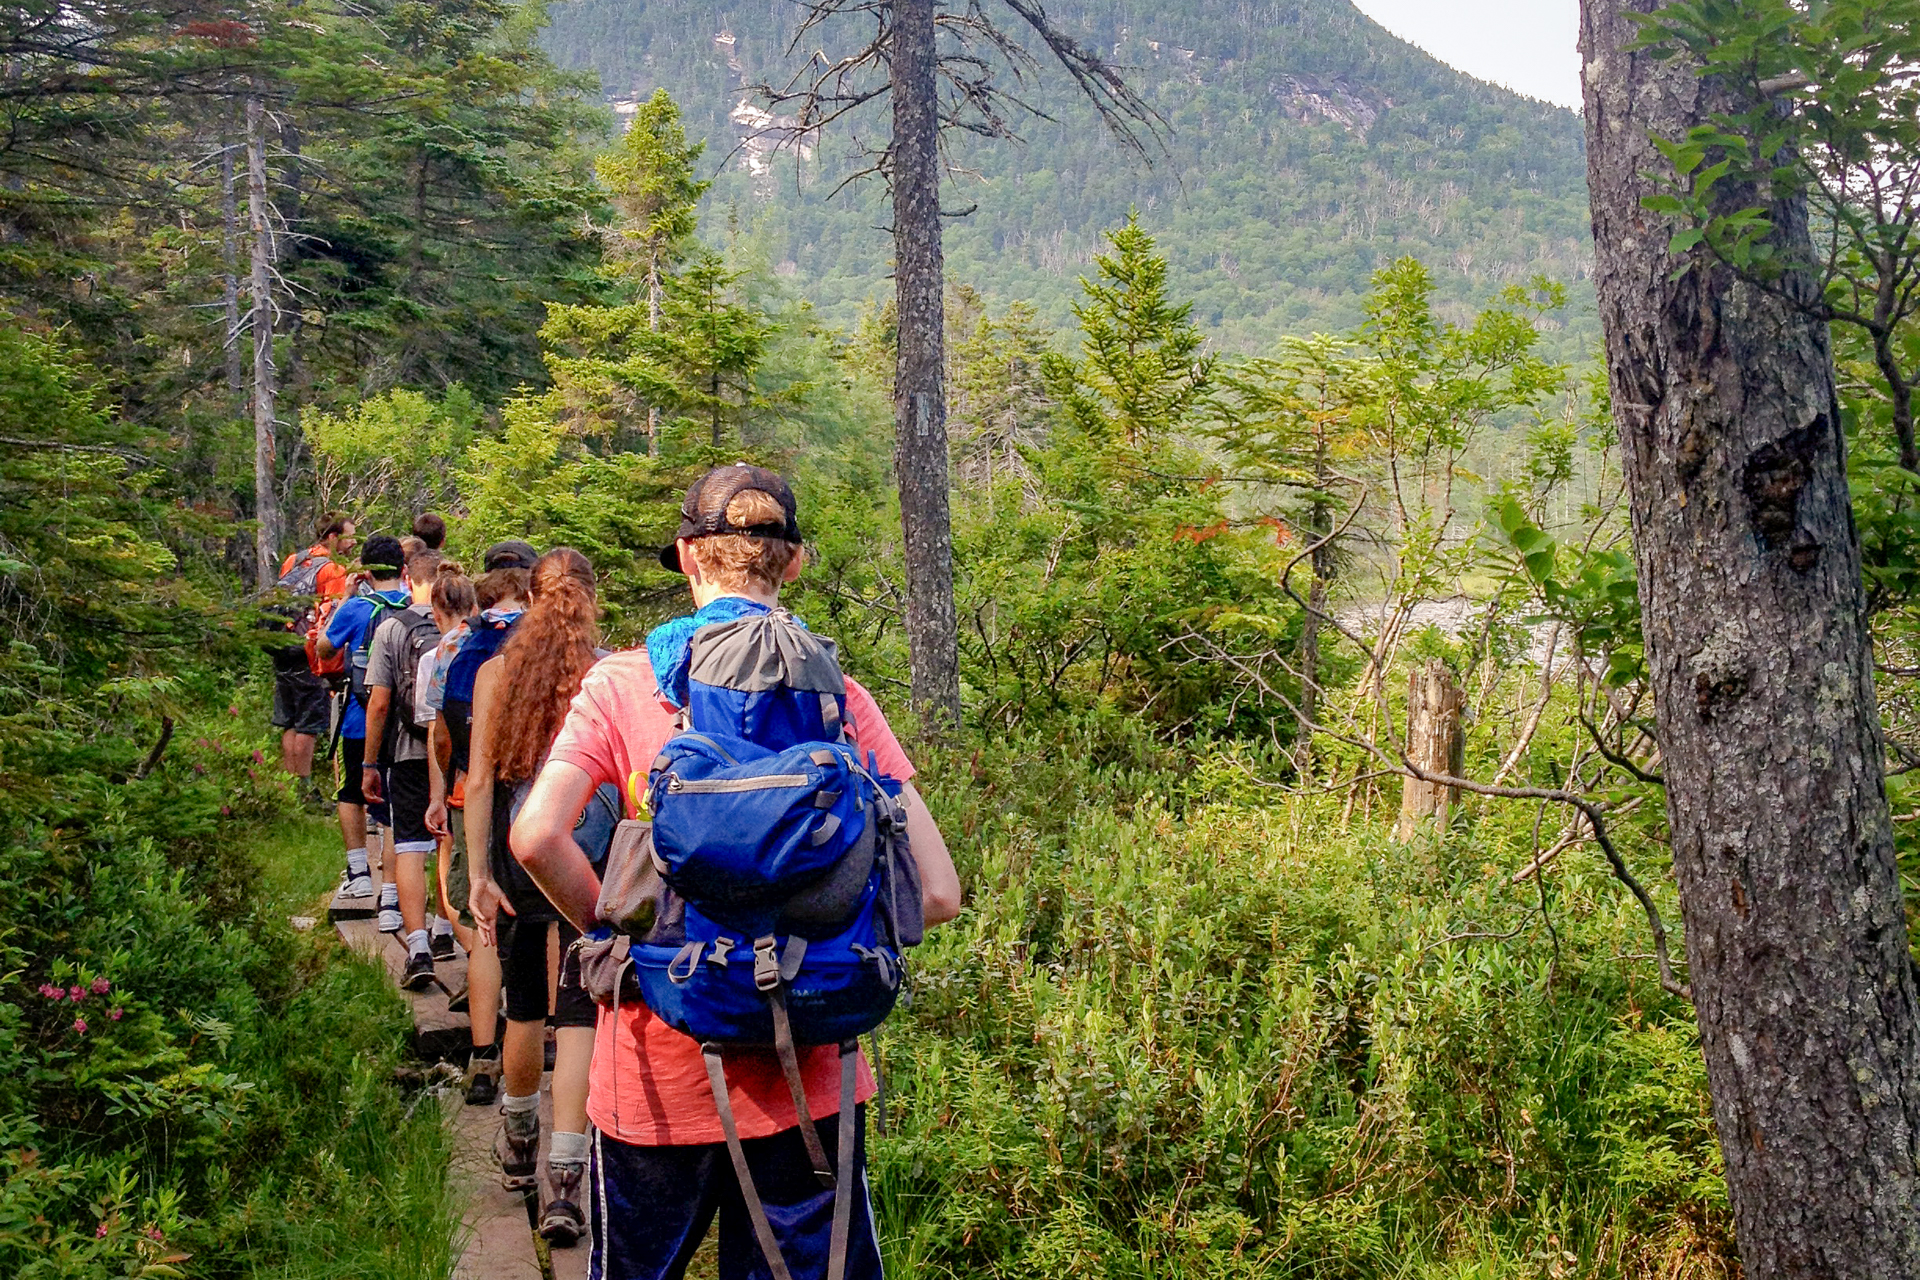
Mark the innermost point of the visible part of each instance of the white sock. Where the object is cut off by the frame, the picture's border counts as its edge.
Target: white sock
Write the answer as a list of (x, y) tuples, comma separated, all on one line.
[(417, 942), (357, 862), (389, 894), (515, 1106), (567, 1148), (440, 926)]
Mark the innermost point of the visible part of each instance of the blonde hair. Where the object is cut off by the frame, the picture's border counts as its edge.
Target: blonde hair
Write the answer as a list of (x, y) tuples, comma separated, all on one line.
[(741, 562)]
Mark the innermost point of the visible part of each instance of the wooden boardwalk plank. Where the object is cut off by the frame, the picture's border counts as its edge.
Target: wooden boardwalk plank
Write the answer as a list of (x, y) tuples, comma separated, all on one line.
[(497, 1243)]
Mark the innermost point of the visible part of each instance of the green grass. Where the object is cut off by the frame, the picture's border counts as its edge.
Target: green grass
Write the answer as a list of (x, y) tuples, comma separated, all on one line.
[(300, 859)]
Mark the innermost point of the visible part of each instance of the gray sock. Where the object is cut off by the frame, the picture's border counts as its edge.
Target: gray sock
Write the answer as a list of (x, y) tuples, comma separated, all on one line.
[(567, 1149), (522, 1114)]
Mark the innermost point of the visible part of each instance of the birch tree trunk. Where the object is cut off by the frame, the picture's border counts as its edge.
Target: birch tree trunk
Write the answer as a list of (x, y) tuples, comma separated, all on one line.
[(919, 388), (1434, 742), (266, 498), (1770, 738)]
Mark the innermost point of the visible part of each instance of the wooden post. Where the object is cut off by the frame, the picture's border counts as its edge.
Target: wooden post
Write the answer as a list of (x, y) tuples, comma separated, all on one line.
[(1434, 743)]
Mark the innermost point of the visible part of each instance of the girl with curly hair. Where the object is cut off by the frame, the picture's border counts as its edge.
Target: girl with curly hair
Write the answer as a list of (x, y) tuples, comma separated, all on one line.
[(520, 700)]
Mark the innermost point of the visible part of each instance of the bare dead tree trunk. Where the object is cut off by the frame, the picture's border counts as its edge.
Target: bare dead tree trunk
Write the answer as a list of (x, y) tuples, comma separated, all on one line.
[(230, 277), (1434, 744), (266, 498), (1319, 525), (919, 389), (654, 291), (1757, 645), (292, 191)]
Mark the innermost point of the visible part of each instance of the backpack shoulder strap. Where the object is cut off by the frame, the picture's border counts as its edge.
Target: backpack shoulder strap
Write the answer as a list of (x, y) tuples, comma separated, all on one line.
[(847, 1138)]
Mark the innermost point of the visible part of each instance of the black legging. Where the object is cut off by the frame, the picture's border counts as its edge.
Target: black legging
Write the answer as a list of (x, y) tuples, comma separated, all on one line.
[(523, 935), (523, 975)]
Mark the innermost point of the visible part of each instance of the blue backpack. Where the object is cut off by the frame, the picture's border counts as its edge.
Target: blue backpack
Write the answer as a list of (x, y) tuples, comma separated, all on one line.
[(767, 893)]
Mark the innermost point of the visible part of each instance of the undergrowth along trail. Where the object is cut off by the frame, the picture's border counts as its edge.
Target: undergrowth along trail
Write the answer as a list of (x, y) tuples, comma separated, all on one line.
[(1188, 1034)]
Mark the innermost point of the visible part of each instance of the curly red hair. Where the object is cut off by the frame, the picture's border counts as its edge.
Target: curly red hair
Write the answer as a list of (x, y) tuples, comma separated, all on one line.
[(547, 656)]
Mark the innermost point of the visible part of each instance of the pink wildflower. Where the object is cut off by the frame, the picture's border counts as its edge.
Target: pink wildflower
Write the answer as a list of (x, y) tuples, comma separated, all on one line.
[(100, 1232), (52, 992), (257, 757), (76, 994), (115, 1013), (226, 811), (101, 986), (80, 1025), (155, 1234)]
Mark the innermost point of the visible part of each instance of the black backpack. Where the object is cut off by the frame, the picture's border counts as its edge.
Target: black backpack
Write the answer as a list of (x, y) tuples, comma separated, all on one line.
[(421, 635)]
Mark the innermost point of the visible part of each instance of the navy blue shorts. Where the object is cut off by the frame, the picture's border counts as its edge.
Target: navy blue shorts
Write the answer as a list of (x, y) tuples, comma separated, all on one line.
[(650, 1208)]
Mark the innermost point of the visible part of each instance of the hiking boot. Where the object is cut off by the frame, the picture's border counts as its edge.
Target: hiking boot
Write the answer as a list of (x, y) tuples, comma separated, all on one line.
[(419, 972), (441, 944), (357, 887), (483, 1081), (390, 921), (517, 1151), (562, 1222)]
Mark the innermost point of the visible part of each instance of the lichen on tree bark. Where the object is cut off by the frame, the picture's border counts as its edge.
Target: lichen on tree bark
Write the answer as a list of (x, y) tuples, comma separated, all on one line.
[(1757, 646)]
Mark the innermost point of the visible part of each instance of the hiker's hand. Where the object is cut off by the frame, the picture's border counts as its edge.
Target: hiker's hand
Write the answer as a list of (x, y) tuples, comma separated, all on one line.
[(437, 818), (370, 783), (486, 900)]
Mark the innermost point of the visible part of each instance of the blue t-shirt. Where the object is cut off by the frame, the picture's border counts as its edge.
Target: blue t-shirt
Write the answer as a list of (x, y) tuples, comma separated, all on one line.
[(347, 631)]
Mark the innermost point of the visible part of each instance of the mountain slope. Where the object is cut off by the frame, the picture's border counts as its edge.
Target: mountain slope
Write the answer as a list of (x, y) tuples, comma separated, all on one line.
[(1308, 148)]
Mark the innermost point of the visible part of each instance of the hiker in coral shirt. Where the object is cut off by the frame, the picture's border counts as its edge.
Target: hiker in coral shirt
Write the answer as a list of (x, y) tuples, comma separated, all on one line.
[(660, 1169)]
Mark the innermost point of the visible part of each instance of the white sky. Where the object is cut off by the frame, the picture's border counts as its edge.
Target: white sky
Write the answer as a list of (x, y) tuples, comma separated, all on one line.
[(1526, 45)]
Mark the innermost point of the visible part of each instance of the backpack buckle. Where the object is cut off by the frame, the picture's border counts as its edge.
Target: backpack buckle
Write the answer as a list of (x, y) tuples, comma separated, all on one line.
[(766, 963)]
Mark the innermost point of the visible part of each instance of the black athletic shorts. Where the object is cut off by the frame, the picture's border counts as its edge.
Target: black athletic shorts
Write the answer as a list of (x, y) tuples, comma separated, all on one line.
[(300, 702), (352, 756), (409, 790), (523, 975)]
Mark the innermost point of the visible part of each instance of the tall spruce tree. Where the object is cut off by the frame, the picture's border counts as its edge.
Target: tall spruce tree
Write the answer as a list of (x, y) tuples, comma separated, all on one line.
[(651, 177)]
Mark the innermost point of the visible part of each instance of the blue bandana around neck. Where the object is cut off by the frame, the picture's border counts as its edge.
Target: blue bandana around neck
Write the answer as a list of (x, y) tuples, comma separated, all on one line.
[(670, 645)]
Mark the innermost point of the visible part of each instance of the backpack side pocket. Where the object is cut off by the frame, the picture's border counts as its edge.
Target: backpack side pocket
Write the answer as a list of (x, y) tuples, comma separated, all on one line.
[(634, 898), (900, 880)]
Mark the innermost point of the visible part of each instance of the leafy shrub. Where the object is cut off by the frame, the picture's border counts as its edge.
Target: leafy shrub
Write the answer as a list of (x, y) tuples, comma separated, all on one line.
[(1174, 1035)]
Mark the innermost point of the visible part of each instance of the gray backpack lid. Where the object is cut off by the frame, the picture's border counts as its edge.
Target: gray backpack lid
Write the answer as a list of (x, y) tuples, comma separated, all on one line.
[(765, 651)]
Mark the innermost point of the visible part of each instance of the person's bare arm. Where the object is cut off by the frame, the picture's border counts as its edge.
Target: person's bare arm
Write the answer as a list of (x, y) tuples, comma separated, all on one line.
[(542, 841), (939, 882), (379, 698), (437, 746), (485, 898)]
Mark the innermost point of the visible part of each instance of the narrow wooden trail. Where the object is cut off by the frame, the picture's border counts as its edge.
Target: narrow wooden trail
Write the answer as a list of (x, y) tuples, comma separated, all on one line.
[(497, 1241)]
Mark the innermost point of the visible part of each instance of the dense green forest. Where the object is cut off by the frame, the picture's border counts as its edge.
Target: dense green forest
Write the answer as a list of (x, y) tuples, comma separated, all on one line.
[(1305, 148), (1251, 451)]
